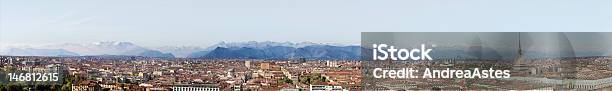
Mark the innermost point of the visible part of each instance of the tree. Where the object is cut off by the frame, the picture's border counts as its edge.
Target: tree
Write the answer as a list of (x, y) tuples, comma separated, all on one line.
[(313, 78), (287, 80), (2, 88), (67, 87)]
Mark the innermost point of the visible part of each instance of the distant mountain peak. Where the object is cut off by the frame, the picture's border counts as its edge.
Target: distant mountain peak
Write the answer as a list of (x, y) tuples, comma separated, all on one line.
[(113, 43), (180, 51)]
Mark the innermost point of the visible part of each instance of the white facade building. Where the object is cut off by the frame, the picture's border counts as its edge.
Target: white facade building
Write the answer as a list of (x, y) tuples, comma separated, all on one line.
[(195, 87)]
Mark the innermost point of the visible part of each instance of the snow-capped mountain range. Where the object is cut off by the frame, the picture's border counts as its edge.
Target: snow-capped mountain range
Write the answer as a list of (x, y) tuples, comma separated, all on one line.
[(100, 48), (85, 49), (131, 49), (264, 44), (253, 50)]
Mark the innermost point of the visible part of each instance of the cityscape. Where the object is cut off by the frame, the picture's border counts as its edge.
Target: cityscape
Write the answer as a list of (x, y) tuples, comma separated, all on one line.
[(232, 66), (305, 45), (154, 74), (128, 73), (305, 66)]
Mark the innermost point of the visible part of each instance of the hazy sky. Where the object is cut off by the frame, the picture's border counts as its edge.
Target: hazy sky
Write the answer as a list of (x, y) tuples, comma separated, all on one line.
[(154, 23)]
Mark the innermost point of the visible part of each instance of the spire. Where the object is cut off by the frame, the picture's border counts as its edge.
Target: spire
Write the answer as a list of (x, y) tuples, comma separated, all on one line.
[(519, 58), (520, 50)]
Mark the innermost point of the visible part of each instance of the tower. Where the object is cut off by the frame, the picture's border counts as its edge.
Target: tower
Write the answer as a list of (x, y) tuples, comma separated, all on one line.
[(520, 68), (519, 58)]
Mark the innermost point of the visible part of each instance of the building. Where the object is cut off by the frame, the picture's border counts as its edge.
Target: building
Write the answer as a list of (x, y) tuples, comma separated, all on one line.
[(195, 87), (87, 85), (264, 66), (326, 88), (247, 64), (289, 89), (331, 63)]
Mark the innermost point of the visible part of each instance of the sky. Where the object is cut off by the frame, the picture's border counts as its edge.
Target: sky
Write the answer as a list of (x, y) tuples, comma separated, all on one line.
[(154, 23)]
